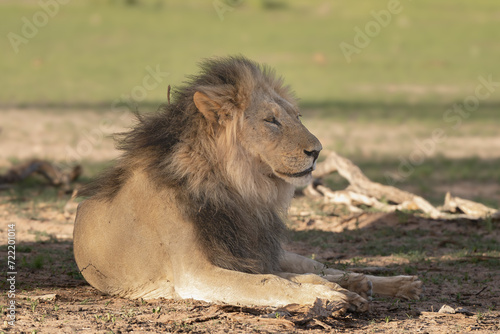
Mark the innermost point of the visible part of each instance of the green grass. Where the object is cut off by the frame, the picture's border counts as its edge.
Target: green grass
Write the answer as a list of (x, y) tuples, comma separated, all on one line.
[(93, 51), (429, 113)]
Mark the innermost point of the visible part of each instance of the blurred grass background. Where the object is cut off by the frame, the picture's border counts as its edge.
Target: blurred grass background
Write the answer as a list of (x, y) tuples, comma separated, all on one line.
[(92, 51), (429, 57)]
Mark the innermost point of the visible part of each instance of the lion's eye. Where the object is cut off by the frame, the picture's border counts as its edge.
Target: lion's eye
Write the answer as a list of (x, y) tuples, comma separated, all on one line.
[(272, 120)]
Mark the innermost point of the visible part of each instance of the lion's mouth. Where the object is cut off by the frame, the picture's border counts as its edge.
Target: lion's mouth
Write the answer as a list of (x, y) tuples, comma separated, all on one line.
[(299, 174)]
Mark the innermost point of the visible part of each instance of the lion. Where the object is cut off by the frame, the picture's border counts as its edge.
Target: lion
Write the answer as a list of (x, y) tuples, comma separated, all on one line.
[(195, 206)]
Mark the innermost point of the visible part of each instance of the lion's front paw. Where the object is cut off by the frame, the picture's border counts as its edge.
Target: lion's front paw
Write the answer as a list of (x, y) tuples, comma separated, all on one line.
[(356, 302), (350, 301), (409, 287), (338, 297), (337, 301)]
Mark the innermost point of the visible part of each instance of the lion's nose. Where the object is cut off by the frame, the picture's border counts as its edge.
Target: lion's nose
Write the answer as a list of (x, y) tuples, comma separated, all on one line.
[(312, 153)]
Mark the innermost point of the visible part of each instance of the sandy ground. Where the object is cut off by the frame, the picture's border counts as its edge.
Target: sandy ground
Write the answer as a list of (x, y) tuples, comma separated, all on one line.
[(456, 260), (68, 135)]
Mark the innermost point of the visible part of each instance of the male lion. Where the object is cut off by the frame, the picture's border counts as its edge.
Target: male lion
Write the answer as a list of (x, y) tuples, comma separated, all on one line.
[(195, 207)]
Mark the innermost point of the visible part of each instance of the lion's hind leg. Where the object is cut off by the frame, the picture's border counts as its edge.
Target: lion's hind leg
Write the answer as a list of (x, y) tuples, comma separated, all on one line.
[(356, 302)]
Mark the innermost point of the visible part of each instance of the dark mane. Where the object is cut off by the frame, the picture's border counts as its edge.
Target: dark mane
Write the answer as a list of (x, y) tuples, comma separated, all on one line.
[(234, 233)]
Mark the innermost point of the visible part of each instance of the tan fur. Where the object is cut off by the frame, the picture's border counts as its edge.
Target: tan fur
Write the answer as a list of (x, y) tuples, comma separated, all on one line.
[(194, 208)]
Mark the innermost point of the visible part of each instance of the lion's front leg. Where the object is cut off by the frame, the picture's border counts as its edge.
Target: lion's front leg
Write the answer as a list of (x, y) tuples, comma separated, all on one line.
[(214, 284)]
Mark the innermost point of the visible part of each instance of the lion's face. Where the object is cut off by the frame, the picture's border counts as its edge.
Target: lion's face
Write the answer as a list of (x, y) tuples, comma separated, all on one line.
[(273, 132), (252, 110)]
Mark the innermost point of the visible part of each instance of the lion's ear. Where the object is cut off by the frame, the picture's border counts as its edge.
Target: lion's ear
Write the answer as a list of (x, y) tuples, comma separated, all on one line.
[(206, 106)]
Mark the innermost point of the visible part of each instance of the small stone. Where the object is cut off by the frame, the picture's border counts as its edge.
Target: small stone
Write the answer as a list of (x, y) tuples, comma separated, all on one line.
[(48, 297), (446, 309)]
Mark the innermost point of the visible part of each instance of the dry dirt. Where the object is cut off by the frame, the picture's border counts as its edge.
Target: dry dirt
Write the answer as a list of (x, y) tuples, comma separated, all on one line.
[(458, 261), (58, 134), (52, 297)]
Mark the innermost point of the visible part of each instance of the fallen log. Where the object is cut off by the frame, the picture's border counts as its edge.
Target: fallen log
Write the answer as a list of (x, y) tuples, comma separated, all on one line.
[(51, 172), (361, 184), (363, 191)]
